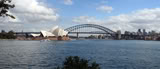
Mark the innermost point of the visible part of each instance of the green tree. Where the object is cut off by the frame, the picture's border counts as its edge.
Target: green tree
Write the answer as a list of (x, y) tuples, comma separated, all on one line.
[(74, 62), (5, 5), (10, 35)]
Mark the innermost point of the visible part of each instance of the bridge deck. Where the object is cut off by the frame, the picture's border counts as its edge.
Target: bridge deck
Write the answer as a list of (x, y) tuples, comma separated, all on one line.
[(88, 33)]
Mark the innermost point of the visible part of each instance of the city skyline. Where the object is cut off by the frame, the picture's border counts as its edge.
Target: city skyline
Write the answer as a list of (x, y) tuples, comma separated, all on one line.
[(121, 15)]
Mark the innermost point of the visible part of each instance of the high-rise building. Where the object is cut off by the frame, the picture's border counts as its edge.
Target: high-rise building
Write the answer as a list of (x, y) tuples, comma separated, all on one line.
[(119, 34), (144, 32), (126, 32), (139, 32)]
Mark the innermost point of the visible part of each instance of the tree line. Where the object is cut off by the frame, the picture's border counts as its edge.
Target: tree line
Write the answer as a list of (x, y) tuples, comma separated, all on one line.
[(75, 62), (7, 35)]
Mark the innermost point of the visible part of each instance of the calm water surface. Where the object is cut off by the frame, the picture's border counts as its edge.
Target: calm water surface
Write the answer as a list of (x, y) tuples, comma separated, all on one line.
[(110, 54)]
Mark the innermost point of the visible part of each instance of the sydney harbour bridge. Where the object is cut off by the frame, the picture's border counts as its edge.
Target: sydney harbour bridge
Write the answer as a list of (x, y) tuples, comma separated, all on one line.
[(90, 29)]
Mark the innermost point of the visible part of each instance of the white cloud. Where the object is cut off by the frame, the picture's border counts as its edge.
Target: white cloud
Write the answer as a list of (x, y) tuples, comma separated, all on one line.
[(87, 20), (105, 8), (142, 19), (68, 2), (32, 12)]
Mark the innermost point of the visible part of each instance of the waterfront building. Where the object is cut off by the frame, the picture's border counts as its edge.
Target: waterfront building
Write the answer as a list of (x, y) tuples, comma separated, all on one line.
[(54, 32), (59, 31), (119, 34), (139, 32), (35, 35), (144, 32), (126, 32), (46, 34)]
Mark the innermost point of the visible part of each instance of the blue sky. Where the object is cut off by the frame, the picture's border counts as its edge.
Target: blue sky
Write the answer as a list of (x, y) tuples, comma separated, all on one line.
[(88, 8), (122, 15)]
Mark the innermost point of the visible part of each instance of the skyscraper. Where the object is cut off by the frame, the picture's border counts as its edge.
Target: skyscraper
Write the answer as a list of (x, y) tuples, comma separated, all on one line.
[(119, 34), (139, 32), (144, 32)]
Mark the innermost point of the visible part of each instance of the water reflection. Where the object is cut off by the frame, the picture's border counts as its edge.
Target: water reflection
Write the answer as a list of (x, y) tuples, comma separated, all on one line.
[(109, 54)]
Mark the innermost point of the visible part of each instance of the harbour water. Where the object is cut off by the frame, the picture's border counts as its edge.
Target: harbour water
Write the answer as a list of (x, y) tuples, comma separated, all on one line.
[(110, 54)]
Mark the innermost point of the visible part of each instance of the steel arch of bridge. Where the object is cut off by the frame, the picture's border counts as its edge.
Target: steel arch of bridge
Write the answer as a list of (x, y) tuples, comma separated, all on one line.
[(106, 30)]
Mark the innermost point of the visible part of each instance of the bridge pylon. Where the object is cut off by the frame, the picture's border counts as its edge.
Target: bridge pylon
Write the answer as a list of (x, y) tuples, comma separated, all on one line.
[(77, 35)]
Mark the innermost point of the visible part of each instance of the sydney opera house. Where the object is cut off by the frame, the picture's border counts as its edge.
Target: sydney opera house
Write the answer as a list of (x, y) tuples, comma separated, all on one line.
[(56, 33)]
